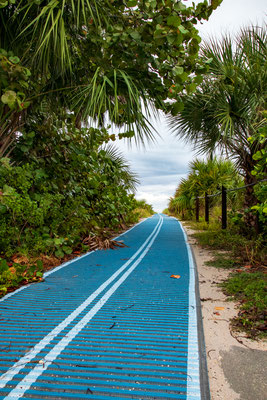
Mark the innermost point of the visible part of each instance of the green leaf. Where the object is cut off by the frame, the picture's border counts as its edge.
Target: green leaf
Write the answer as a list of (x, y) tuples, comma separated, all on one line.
[(182, 29), (177, 107), (24, 148), (215, 3), (135, 35), (59, 253), (171, 39), (131, 3), (3, 266), (67, 249), (179, 6), (198, 79), (3, 52), (182, 78), (257, 156), (14, 60), (178, 70), (9, 97), (39, 264), (58, 241), (209, 61), (173, 20), (3, 3), (191, 88), (3, 209)]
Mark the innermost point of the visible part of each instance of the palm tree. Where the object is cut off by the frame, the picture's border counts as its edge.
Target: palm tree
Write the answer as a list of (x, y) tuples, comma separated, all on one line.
[(228, 107), (204, 176)]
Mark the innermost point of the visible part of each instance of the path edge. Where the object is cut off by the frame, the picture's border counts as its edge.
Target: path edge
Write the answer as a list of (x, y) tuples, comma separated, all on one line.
[(203, 365), (51, 271)]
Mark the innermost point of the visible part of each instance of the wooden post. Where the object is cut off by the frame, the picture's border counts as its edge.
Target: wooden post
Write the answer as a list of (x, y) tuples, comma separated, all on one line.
[(206, 207), (197, 209), (224, 208)]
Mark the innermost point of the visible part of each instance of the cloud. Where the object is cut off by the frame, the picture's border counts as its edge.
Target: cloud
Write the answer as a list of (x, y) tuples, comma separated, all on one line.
[(159, 167), (157, 192)]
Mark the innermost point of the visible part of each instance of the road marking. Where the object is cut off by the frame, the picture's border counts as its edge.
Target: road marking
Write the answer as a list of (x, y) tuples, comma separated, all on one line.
[(32, 376), (193, 378), (7, 376)]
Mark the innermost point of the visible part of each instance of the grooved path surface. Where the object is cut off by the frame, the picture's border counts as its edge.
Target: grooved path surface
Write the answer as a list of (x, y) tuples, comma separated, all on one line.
[(110, 325)]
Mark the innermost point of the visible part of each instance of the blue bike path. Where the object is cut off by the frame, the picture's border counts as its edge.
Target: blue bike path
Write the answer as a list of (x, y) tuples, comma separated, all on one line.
[(110, 324)]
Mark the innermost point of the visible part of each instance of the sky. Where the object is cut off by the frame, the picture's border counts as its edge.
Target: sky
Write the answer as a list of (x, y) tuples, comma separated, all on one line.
[(160, 166)]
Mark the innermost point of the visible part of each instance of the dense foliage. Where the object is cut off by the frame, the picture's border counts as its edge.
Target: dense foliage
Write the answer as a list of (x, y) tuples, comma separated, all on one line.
[(97, 59), (66, 190), (260, 172)]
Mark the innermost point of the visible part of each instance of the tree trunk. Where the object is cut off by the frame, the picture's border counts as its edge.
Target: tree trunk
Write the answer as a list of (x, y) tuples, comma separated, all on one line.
[(250, 200)]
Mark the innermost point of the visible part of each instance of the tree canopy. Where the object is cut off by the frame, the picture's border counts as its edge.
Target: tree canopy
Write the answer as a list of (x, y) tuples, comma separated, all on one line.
[(99, 59)]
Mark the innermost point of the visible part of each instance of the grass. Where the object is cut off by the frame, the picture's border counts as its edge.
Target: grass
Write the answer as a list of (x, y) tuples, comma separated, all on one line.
[(250, 289), (222, 261), (247, 284), (241, 248)]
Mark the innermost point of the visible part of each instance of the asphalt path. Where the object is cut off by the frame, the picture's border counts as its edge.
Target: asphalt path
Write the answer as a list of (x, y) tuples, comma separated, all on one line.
[(118, 324)]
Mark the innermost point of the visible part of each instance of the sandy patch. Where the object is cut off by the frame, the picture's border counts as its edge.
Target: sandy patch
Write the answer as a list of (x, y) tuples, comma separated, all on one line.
[(227, 379)]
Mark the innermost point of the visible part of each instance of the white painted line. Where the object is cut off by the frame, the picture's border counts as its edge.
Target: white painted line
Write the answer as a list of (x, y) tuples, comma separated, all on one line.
[(46, 274), (32, 376), (193, 374), (7, 376)]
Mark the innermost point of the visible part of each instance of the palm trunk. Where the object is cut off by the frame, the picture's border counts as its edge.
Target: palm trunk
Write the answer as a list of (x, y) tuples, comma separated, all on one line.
[(250, 200)]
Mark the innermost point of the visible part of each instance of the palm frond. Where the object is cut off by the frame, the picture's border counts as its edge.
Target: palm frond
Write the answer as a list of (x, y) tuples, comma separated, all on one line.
[(229, 105), (116, 94), (121, 169)]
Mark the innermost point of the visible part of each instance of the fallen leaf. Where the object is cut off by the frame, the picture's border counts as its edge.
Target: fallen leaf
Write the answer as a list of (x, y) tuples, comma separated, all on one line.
[(239, 270), (247, 266), (175, 276), (219, 308)]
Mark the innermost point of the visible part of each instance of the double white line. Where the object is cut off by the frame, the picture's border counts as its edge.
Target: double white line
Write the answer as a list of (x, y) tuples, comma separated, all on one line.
[(33, 375)]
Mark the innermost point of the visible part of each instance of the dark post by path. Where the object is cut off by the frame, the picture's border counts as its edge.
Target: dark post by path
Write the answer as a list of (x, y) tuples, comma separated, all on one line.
[(206, 207), (224, 208), (197, 209)]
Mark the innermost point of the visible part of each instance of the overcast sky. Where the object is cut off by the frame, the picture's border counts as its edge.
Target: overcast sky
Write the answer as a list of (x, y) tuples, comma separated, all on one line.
[(161, 166)]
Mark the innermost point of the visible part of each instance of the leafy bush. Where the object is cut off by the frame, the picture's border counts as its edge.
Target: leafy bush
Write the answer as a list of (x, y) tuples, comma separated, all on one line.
[(67, 189), (14, 274), (143, 209)]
